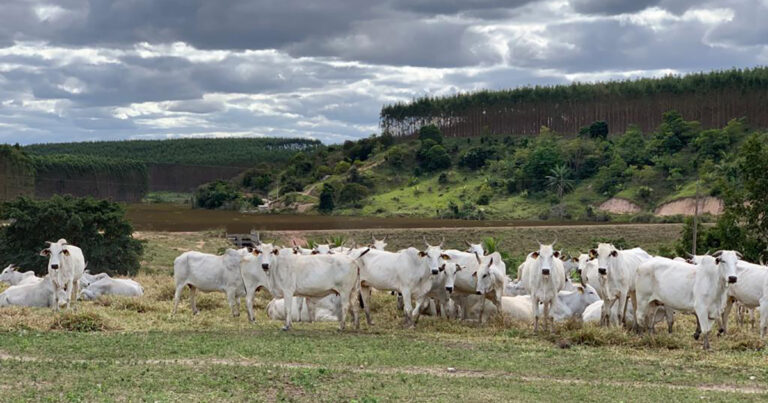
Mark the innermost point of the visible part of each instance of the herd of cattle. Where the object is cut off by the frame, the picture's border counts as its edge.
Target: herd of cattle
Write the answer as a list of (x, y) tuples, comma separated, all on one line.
[(615, 287)]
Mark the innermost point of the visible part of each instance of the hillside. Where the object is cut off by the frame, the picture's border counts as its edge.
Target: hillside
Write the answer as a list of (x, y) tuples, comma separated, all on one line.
[(243, 152), (548, 176)]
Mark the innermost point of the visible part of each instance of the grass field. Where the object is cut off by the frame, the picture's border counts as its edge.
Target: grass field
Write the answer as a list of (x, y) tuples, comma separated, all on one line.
[(132, 349)]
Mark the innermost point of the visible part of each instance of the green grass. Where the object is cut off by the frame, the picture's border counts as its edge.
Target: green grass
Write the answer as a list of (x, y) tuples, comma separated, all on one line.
[(168, 197), (132, 349)]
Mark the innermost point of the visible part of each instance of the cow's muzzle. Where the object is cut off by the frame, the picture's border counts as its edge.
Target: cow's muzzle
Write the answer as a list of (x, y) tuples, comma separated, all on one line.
[(732, 279), (435, 271), (478, 292), (265, 266), (54, 266), (602, 271), (545, 272), (449, 289)]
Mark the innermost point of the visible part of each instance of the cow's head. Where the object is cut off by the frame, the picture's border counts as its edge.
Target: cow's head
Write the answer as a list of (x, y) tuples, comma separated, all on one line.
[(581, 263), (449, 270), (378, 244), (322, 249), (7, 274), (434, 256), (587, 294), (57, 253), (544, 257), (606, 255), (476, 249), (726, 261), (265, 253), (486, 273)]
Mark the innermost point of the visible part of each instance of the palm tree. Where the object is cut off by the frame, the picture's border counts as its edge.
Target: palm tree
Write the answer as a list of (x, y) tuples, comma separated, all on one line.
[(559, 179)]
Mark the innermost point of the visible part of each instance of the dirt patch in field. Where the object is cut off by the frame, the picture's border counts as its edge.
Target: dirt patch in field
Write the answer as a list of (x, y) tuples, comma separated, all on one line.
[(687, 206), (617, 205)]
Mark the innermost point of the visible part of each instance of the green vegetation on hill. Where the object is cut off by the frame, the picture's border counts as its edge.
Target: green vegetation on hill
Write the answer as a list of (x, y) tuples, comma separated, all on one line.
[(235, 152), (74, 165)]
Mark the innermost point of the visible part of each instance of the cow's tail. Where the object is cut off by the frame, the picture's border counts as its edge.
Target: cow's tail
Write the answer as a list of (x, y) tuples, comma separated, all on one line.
[(359, 287)]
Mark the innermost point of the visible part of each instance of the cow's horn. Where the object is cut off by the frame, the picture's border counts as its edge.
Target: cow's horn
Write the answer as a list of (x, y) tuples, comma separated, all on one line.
[(442, 241), (717, 253), (425, 241)]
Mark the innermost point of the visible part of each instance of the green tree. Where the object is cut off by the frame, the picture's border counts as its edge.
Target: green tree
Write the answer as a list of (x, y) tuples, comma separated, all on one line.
[(559, 180), (352, 192), (216, 195), (610, 178), (631, 147), (673, 134), (435, 159), (476, 157), (98, 227), (341, 167), (326, 204), (538, 165), (430, 132)]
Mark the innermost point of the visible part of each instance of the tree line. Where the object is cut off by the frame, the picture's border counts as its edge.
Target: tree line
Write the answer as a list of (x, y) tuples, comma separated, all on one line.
[(710, 98)]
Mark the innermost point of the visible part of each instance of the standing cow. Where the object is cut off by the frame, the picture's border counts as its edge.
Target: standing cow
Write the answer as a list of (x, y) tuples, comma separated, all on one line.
[(209, 273), (66, 266), (544, 277), (491, 278), (700, 289), (616, 269)]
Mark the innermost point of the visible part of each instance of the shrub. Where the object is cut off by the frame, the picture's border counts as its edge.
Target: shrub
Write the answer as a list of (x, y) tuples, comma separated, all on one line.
[(98, 227), (430, 132), (216, 195), (79, 322), (436, 158), (255, 179), (352, 192), (341, 167), (484, 199), (326, 204), (476, 157), (442, 179)]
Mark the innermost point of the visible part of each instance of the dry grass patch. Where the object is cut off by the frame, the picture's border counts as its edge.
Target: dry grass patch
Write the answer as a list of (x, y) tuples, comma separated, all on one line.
[(80, 322)]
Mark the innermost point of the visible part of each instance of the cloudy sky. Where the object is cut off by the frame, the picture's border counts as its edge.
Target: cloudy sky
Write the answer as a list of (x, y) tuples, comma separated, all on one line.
[(73, 70)]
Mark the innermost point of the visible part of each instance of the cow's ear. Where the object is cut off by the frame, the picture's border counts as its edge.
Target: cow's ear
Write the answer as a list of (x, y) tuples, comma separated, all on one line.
[(422, 253), (592, 253), (255, 252), (65, 252), (441, 268), (575, 260), (276, 251), (474, 274), (445, 257), (580, 289), (535, 255), (614, 253), (249, 249), (458, 267), (717, 260), (556, 254), (45, 252)]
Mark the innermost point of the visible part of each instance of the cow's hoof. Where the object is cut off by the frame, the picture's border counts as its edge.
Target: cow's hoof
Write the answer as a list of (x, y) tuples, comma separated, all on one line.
[(696, 336), (285, 328), (721, 332)]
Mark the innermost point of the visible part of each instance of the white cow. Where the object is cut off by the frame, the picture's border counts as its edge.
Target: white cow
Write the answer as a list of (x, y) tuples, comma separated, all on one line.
[(616, 270), (41, 294), (466, 280), (442, 287), (748, 290), (112, 286), (378, 244), (544, 277), (408, 272), (209, 273), (13, 276), (700, 288), (764, 310), (255, 279), (89, 278), (569, 305), (323, 313), (66, 265), (314, 276), (513, 288), (491, 277)]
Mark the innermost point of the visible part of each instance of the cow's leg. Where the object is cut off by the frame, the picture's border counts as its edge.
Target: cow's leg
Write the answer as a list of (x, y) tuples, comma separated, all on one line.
[(633, 298), (365, 295), (75, 291), (344, 306), (177, 297), (482, 309), (669, 313), (249, 293), (464, 304), (55, 305), (727, 311), (421, 301), (407, 307), (622, 308), (752, 318), (547, 305), (763, 315), (605, 314), (288, 304), (702, 313), (193, 299), (535, 310), (400, 305), (354, 308), (232, 301), (69, 293), (311, 309)]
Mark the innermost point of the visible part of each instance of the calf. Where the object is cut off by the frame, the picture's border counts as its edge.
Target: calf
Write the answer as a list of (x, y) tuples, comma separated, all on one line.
[(209, 273), (313, 276), (41, 294), (701, 288), (112, 286), (544, 277), (13, 276), (491, 277), (66, 265), (442, 287)]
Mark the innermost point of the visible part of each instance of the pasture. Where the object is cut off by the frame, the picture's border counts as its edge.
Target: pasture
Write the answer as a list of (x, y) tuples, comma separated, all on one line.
[(132, 349)]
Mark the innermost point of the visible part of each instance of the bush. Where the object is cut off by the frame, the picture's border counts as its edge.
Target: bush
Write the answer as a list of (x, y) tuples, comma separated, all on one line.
[(326, 204), (98, 227), (442, 179), (484, 199), (216, 195), (476, 157), (341, 167), (436, 158), (255, 179), (79, 322), (430, 132), (352, 192)]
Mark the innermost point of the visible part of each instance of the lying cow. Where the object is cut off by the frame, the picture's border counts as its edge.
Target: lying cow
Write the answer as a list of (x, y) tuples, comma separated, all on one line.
[(112, 286), (323, 311), (89, 278), (42, 294), (700, 289), (11, 275), (209, 273)]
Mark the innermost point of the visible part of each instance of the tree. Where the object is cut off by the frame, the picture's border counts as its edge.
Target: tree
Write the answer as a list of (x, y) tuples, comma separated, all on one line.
[(631, 147), (436, 158), (598, 130), (559, 180), (326, 204), (386, 140), (98, 227), (538, 165), (352, 192), (673, 134), (341, 167), (476, 157), (430, 132), (216, 195)]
